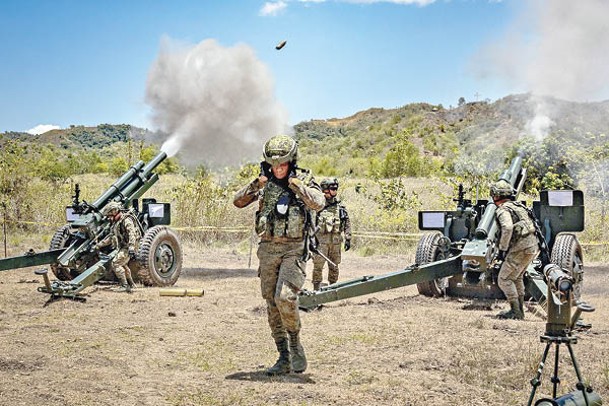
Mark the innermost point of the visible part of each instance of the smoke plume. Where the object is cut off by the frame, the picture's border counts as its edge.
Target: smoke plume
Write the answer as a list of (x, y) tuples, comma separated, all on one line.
[(556, 48), (215, 105)]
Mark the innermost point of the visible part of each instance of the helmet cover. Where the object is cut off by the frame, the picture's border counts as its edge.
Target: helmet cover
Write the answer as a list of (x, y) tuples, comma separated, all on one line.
[(111, 208), (502, 188), (280, 149)]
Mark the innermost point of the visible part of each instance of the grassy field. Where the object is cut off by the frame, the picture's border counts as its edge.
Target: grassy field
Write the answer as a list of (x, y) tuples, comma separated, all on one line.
[(394, 347)]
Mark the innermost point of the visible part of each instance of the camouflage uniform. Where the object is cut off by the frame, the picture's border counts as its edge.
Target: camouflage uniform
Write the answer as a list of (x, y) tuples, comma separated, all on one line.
[(518, 239), (334, 223), (280, 224), (124, 235)]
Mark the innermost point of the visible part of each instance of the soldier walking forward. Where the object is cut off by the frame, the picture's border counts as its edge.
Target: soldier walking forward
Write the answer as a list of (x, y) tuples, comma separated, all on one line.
[(518, 247), (334, 223), (286, 195)]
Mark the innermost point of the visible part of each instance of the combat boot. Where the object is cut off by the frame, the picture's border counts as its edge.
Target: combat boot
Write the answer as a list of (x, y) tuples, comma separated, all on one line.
[(130, 280), (521, 305), (282, 366), (122, 279), (122, 288), (299, 359), (513, 313)]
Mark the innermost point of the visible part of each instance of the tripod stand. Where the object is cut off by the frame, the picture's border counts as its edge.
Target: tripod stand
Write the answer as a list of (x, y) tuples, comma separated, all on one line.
[(557, 341), (559, 331)]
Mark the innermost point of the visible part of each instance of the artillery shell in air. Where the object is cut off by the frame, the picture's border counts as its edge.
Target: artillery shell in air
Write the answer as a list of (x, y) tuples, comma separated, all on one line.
[(281, 45)]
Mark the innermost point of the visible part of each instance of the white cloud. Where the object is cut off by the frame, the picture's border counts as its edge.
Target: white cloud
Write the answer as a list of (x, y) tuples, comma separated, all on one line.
[(417, 2), (272, 9), (42, 128)]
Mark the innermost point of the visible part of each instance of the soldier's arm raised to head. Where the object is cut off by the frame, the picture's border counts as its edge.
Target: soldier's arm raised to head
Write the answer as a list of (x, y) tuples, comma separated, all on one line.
[(507, 228), (311, 195), (248, 194)]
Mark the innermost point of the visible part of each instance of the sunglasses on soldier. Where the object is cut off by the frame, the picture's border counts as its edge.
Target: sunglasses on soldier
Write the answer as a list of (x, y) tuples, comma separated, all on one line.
[(331, 188)]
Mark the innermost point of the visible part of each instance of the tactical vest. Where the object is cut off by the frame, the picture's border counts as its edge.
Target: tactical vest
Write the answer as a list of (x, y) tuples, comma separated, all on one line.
[(122, 235), (281, 215), (328, 219), (523, 224)]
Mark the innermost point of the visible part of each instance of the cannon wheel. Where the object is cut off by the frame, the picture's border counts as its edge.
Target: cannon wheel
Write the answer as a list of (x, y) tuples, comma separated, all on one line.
[(159, 257), (429, 250), (61, 239), (567, 253)]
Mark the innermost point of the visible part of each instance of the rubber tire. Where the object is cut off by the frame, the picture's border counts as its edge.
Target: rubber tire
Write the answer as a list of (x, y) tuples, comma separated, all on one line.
[(61, 240), (428, 250), (566, 251), (159, 241)]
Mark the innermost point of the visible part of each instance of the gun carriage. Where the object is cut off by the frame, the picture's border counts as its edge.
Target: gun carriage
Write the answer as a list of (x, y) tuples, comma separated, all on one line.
[(73, 257), (456, 255)]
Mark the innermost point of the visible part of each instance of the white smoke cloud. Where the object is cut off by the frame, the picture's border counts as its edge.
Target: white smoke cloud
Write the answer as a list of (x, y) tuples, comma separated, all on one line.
[(555, 48), (42, 128), (540, 124), (215, 104)]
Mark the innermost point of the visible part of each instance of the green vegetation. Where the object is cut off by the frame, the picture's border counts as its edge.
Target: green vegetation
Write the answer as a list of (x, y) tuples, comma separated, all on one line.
[(392, 163)]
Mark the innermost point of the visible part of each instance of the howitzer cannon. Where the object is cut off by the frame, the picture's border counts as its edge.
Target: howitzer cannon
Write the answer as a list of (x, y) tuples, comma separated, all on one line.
[(73, 257), (457, 257)]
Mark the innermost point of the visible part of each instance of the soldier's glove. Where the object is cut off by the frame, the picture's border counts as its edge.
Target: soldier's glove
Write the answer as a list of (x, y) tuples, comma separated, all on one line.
[(501, 256), (295, 181), (347, 245), (132, 253), (265, 169)]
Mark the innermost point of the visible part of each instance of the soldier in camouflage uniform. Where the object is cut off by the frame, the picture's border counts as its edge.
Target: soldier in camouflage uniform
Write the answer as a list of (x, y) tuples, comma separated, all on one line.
[(333, 222), (125, 235), (286, 196), (518, 247)]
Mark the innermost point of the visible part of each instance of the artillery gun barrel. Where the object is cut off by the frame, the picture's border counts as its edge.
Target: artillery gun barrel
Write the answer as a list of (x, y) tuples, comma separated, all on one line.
[(116, 186), (514, 175), (154, 162), (481, 248), (511, 174), (144, 180), (487, 223)]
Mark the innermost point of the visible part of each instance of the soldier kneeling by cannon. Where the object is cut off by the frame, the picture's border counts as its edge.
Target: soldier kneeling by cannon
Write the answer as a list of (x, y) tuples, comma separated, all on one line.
[(124, 236)]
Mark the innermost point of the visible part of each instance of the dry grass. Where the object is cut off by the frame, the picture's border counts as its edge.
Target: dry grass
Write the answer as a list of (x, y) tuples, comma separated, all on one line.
[(390, 348)]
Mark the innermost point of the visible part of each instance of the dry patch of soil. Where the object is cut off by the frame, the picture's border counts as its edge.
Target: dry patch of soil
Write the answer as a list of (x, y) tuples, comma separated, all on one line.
[(390, 348)]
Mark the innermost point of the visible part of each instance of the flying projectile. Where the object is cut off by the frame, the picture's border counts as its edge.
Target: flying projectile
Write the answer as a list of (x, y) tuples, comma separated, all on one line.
[(280, 45)]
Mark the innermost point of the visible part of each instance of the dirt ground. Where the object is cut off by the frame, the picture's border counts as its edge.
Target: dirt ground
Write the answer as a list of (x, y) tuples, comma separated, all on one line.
[(390, 348)]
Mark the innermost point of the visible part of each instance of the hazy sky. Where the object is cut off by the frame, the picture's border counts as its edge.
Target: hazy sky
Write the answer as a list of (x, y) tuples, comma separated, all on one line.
[(88, 62)]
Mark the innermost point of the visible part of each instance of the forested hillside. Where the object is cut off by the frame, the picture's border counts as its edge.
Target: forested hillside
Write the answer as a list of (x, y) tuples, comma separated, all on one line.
[(471, 140), (391, 163)]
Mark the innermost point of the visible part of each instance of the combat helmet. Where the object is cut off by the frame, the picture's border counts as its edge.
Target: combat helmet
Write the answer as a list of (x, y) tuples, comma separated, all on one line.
[(280, 149), (111, 209), (328, 182), (502, 188)]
